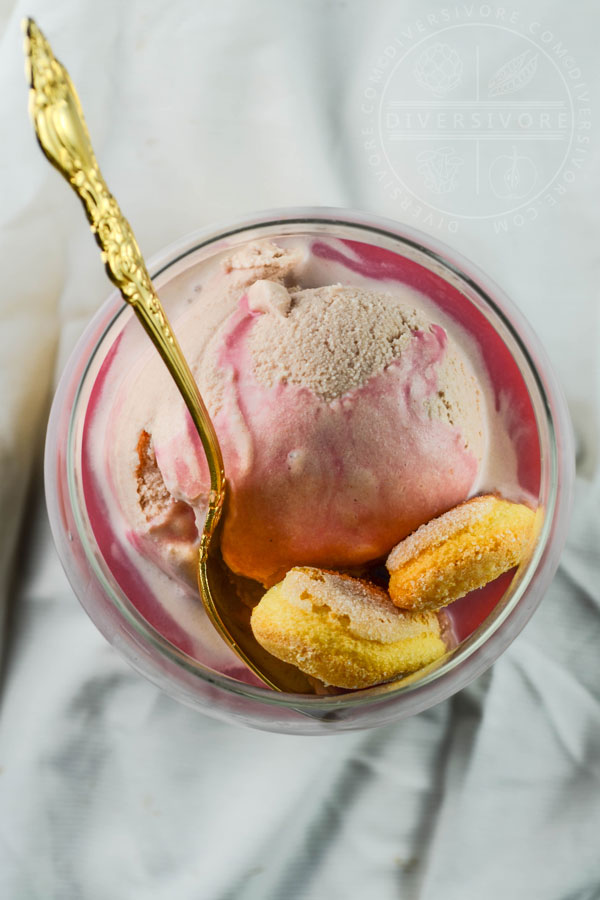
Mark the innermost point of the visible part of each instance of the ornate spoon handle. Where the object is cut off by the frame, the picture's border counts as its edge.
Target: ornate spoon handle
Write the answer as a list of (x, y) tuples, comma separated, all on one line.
[(63, 136)]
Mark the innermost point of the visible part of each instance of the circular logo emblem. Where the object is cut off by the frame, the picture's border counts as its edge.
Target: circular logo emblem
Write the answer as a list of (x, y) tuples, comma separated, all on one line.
[(475, 120)]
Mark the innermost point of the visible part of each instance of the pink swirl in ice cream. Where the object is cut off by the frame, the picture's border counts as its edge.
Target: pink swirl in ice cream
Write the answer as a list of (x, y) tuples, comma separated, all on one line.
[(347, 417)]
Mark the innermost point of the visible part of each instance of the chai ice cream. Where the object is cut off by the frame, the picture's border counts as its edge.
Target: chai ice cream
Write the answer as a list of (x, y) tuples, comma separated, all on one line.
[(356, 394), (347, 415)]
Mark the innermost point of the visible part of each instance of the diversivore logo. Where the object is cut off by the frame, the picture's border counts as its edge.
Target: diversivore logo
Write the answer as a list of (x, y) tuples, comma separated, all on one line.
[(475, 114)]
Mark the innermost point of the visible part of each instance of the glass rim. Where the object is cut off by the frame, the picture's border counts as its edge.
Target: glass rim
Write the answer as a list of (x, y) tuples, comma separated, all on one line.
[(434, 251)]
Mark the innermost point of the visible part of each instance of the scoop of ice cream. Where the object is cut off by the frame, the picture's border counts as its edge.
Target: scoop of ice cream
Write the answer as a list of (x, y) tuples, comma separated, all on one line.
[(346, 417)]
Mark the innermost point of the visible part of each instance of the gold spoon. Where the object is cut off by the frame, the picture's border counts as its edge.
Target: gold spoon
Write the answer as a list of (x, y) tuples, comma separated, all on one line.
[(63, 136)]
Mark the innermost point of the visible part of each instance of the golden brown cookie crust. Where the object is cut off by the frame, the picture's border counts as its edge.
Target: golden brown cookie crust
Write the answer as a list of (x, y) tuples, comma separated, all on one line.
[(459, 551), (317, 621)]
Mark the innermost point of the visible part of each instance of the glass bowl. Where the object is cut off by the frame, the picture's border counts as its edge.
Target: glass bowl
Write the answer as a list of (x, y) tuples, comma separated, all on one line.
[(485, 622)]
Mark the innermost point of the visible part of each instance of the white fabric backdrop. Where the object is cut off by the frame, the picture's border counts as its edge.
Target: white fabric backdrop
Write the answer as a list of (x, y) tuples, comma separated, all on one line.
[(200, 111)]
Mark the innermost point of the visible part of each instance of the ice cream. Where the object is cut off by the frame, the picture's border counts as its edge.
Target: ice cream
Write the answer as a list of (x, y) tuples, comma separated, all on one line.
[(355, 395), (347, 417)]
